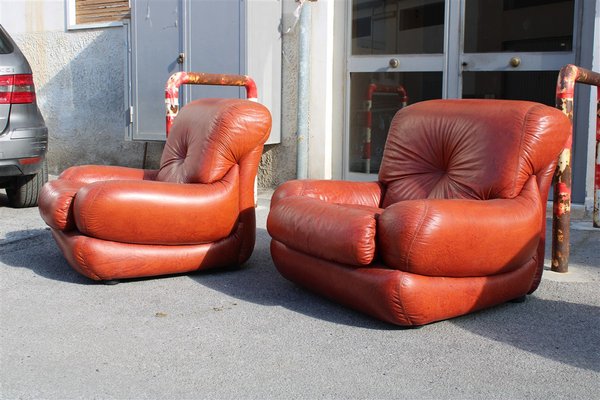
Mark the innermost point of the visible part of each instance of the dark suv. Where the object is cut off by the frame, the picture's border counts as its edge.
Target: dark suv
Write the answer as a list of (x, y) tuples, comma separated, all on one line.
[(23, 133)]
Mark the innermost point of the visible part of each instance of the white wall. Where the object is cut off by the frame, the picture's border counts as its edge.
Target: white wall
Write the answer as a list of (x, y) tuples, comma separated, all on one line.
[(278, 163), (593, 90), (590, 173), (326, 118), (28, 16), (320, 137)]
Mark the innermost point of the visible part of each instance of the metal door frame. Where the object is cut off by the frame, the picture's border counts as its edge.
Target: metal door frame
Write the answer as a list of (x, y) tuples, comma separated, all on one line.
[(380, 63), (499, 61), (449, 63)]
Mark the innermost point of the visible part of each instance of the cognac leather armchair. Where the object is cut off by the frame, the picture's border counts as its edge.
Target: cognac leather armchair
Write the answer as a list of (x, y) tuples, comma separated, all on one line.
[(195, 212), (455, 222)]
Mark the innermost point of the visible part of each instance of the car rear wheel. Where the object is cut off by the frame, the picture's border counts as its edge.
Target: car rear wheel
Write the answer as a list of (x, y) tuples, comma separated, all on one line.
[(25, 190)]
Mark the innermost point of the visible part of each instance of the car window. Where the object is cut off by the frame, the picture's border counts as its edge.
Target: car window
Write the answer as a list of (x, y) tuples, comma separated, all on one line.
[(5, 45)]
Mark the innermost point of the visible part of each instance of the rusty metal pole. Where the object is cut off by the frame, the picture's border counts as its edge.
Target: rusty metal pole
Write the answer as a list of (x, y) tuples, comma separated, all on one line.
[(200, 78), (597, 170), (565, 89), (561, 217)]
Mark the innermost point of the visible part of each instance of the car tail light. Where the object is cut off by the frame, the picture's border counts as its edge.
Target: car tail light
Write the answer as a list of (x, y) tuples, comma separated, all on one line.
[(31, 160), (6, 82), (17, 89)]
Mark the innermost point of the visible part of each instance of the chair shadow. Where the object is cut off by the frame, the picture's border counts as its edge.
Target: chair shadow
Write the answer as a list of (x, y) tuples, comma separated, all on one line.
[(562, 331), (258, 282), (36, 250), (565, 332)]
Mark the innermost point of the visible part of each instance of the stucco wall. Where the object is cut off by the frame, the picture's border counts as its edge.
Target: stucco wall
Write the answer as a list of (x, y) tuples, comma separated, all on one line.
[(278, 163), (79, 77)]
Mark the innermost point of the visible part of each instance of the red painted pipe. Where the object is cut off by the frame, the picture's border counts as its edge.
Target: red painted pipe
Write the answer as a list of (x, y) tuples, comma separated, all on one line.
[(565, 90), (200, 78), (373, 88)]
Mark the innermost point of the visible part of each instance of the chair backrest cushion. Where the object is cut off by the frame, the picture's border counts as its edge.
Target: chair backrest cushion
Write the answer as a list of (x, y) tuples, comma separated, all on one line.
[(469, 149), (209, 136)]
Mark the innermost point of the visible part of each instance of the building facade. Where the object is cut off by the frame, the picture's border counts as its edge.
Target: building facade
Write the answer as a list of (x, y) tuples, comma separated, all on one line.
[(366, 59)]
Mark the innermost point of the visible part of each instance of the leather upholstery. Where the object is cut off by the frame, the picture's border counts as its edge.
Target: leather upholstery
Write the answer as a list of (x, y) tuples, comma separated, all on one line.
[(327, 221), (455, 222), (195, 212), (438, 237), (434, 154)]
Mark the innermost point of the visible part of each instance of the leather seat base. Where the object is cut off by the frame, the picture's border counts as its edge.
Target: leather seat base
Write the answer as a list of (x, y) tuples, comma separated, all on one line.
[(107, 260), (399, 297)]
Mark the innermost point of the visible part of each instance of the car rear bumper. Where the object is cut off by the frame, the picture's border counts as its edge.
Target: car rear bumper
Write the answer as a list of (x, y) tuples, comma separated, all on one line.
[(23, 151)]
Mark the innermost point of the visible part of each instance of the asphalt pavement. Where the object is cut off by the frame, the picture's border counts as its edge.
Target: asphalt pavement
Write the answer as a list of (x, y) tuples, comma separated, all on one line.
[(250, 334)]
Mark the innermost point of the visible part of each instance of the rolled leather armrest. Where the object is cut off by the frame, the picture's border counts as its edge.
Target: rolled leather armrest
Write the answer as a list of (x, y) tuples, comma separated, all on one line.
[(329, 231), (94, 173), (56, 197), (331, 191), (55, 203), (151, 212), (461, 238)]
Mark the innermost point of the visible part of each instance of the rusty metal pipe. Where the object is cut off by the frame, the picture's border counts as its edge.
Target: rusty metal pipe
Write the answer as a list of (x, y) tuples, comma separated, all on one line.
[(200, 78), (561, 219)]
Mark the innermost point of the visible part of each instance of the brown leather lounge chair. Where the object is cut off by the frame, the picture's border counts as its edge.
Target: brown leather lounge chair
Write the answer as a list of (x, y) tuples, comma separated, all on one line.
[(455, 222), (195, 212)]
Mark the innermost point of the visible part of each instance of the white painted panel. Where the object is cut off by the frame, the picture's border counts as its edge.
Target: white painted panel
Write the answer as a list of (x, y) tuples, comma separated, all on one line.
[(264, 56), (27, 16)]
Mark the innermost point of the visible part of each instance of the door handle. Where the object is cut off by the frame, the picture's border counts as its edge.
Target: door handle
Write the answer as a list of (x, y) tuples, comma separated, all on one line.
[(394, 63), (515, 62)]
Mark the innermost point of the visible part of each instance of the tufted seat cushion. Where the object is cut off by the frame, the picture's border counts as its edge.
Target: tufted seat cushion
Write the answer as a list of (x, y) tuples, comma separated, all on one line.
[(209, 137), (442, 152)]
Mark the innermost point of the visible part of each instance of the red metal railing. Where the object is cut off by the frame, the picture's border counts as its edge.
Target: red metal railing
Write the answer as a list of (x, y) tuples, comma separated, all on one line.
[(372, 89), (199, 78), (565, 90)]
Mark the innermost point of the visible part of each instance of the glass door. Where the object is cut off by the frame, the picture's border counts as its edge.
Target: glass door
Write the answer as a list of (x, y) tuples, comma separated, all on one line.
[(405, 51), (396, 58), (513, 49)]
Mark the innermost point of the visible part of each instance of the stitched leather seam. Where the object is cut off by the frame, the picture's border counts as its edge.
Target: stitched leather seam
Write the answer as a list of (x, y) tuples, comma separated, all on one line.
[(79, 255), (91, 202), (399, 294), (417, 231), (524, 124)]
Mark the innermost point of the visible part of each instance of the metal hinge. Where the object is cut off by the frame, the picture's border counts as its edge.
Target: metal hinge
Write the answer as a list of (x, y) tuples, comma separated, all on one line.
[(130, 116)]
